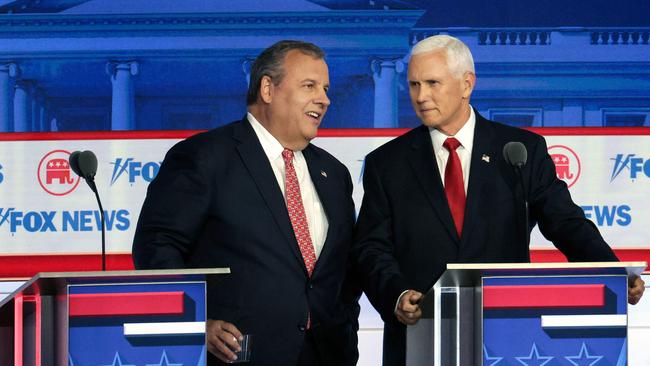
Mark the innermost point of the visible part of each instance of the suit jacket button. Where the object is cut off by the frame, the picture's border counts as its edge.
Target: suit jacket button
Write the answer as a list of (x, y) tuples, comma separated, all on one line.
[(301, 328), (311, 286)]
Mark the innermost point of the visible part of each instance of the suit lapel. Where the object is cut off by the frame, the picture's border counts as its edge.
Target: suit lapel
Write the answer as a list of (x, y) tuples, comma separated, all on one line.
[(425, 168), (257, 163), (325, 194), (483, 162)]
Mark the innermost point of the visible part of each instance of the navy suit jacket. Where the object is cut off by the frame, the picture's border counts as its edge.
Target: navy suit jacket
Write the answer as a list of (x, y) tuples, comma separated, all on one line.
[(216, 203), (405, 234)]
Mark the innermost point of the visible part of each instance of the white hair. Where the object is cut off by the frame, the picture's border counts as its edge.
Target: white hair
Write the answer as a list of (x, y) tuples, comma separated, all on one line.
[(459, 57)]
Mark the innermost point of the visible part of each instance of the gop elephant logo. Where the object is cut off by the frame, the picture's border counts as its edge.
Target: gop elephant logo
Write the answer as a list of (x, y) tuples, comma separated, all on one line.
[(567, 164), (55, 175)]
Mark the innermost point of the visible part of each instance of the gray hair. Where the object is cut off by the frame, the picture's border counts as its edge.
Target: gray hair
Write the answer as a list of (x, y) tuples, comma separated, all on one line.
[(459, 57), (271, 61)]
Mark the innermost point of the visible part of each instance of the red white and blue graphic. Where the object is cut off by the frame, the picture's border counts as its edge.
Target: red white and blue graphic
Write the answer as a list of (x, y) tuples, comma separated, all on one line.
[(154, 324), (572, 321)]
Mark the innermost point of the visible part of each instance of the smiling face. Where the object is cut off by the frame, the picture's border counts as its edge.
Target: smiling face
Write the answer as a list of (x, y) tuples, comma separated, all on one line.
[(295, 107), (440, 99)]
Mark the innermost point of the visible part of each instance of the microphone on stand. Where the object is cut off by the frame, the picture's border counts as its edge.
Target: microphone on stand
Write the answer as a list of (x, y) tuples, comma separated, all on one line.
[(515, 154), (84, 164)]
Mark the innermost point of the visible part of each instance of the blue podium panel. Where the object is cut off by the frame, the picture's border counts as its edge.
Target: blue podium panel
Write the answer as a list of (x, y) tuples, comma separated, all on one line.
[(139, 324), (555, 320)]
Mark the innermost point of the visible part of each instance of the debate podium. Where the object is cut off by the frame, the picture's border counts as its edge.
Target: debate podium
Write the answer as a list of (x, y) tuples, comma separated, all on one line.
[(151, 317), (524, 314)]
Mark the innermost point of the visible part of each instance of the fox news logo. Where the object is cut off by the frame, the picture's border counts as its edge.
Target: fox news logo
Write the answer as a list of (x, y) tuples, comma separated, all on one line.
[(567, 164), (54, 173), (609, 215), (134, 169), (636, 166), (54, 221)]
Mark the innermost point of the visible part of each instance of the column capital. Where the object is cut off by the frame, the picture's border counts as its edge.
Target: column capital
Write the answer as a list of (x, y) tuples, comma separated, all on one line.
[(246, 65), (11, 68), (113, 66), (26, 85), (379, 64)]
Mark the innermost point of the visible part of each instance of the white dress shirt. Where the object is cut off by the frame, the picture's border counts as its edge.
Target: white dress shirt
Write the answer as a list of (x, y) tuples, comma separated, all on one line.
[(466, 138), (316, 218)]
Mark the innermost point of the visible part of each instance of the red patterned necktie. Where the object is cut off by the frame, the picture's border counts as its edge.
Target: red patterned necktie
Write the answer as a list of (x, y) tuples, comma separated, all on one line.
[(454, 186), (297, 212)]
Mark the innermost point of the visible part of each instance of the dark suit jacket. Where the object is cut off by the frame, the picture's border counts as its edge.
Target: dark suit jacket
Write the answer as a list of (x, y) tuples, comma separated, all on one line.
[(405, 234), (217, 203)]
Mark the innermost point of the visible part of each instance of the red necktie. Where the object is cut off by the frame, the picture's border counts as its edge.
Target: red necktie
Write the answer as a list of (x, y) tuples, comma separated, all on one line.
[(297, 212), (454, 186)]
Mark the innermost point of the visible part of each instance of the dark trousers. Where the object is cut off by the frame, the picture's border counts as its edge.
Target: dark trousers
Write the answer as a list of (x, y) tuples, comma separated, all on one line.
[(309, 353)]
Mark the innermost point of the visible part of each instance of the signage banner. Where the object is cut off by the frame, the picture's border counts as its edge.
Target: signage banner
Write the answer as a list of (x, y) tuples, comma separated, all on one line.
[(46, 208)]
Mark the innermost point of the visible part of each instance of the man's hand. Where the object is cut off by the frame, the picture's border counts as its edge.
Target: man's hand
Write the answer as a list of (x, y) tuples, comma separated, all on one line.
[(222, 338), (408, 310), (635, 288)]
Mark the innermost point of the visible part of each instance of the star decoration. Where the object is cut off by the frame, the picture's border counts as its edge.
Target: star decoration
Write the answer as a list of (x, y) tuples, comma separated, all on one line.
[(487, 358), (584, 358), (164, 361), (537, 360), (117, 361)]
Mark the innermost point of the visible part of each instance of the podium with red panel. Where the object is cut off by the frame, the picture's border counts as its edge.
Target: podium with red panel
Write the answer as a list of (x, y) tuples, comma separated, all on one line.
[(152, 317), (524, 314)]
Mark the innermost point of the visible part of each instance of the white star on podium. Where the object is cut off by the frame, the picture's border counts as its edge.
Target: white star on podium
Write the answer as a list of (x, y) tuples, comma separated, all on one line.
[(164, 361), (487, 357), (117, 361), (533, 351), (583, 358)]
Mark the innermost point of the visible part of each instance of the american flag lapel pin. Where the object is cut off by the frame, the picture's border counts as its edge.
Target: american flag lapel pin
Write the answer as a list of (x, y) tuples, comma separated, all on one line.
[(485, 158)]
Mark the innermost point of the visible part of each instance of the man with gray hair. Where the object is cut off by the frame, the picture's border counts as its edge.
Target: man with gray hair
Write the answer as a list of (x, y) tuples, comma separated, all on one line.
[(443, 193)]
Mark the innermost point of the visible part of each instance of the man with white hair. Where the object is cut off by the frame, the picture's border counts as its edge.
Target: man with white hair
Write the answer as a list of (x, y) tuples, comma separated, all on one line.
[(443, 193)]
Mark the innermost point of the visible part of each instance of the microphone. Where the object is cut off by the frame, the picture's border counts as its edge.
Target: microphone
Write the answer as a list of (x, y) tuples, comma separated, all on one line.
[(84, 164), (515, 154)]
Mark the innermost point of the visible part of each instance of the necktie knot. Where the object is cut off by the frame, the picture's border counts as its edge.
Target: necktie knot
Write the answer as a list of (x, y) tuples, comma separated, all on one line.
[(451, 144), (287, 156)]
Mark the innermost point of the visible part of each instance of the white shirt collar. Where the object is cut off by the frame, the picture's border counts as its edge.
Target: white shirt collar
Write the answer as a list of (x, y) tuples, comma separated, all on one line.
[(465, 135), (272, 147)]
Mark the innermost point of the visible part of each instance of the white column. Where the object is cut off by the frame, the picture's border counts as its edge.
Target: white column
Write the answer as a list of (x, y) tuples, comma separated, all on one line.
[(123, 108), (8, 72), (38, 99), (23, 106), (384, 74)]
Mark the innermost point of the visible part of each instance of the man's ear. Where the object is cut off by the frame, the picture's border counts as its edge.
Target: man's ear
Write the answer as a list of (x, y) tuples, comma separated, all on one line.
[(469, 80), (266, 89)]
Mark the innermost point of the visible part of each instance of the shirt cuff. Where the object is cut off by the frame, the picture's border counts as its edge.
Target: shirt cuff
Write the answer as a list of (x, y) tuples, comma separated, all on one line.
[(398, 300)]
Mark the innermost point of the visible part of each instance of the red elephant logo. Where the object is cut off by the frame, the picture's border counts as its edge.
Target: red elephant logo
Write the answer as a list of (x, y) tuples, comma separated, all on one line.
[(58, 169), (567, 164), (55, 175), (562, 166)]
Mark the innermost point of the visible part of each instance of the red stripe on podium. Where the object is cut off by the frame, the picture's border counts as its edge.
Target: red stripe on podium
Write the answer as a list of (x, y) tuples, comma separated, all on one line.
[(543, 296), (121, 304)]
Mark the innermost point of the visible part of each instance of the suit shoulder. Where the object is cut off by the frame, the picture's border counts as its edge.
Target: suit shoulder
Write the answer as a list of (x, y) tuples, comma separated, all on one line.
[(396, 147), (328, 157), (207, 140)]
